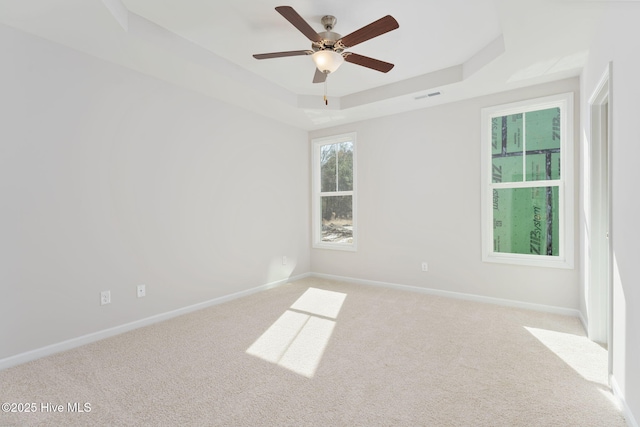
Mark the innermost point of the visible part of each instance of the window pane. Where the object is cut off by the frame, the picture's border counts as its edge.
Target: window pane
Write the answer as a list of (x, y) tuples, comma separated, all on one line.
[(507, 169), (525, 221), (506, 148), (543, 129), (543, 166), (328, 167), (543, 144), (337, 219), (345, 166)]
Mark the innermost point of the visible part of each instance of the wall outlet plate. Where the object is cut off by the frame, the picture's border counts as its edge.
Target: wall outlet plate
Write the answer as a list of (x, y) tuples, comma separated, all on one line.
[(141, 291), (105, 297), (425, 266)]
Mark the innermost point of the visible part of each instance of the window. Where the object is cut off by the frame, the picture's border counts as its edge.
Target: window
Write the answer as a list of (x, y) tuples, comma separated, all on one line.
[(334, 192), (527, 182)]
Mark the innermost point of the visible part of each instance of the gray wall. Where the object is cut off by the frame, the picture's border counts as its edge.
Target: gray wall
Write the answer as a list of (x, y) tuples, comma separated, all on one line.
[(419, 200), (110, 179), (619, 42)]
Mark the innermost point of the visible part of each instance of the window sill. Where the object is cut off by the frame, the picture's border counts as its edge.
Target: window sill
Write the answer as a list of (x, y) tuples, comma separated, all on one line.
[(335, 246), (526, 260)]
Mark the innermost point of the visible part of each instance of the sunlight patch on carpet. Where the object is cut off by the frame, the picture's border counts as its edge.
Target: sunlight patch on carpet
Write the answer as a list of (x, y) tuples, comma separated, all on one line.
[(583, 355), (297, 339), (320, 302)]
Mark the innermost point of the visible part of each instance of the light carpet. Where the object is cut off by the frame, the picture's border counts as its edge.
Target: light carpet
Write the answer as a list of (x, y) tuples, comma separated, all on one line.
[(324, 353)]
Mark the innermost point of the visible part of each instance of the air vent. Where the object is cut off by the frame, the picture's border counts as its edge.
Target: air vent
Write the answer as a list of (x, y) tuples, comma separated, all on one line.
[(428, 95)]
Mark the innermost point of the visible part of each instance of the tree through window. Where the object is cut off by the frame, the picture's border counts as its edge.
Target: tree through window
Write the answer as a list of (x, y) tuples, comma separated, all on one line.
[(334, 192)]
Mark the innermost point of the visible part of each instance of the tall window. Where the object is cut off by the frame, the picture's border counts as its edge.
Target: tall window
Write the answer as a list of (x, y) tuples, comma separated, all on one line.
[(527, 182), (334, 191)]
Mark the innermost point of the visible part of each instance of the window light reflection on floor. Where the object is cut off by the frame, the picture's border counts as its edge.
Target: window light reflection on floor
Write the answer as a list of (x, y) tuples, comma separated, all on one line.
[(297, 339), (584, 356)]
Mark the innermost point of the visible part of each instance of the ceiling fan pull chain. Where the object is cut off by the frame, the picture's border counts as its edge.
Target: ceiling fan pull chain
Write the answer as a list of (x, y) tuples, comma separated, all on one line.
[(326, 101)]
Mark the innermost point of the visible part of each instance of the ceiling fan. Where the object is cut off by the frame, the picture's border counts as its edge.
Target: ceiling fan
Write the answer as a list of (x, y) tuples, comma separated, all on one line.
[(328, 48)]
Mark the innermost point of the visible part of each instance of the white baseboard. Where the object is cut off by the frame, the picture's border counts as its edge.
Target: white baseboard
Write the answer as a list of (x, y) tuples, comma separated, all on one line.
[(585, 325), (106, 333), (631, 421), (626, 411), (458, 295)]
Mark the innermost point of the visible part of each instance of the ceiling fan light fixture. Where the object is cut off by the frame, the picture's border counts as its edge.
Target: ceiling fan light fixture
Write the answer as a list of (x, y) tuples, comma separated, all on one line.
[(327, 61)]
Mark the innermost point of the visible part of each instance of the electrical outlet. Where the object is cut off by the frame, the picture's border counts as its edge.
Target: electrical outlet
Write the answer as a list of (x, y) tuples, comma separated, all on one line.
[(141, 291), (425, 266), (284, 260), (105, 297)]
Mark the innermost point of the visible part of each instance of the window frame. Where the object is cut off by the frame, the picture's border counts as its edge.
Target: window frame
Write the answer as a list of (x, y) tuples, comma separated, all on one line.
[(316, 204), (565, 184)]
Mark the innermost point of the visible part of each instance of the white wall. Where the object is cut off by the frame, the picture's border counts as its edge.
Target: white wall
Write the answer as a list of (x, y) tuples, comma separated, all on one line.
[(419, 200), (619, 42), (110, 179)]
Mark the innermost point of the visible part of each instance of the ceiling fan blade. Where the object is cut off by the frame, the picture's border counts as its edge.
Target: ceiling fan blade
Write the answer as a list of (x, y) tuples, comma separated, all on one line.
[(292, 16), (282, 54), (365, 61), (379, 27), (319, 76)]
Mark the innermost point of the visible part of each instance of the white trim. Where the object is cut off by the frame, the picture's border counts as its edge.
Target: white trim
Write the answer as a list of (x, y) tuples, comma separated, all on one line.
[(626, 411), (599, 221), (565, 184), (601, 92), (335, 246), (583, 321), (116, 330), (457, 295)]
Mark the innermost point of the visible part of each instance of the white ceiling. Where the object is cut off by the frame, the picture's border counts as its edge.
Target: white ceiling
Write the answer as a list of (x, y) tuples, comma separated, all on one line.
[(461, 48)]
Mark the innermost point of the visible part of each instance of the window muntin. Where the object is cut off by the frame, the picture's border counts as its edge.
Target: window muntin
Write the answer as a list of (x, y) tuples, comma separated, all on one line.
[(535, 157), (527, 186), (334, 192), (336, 167)]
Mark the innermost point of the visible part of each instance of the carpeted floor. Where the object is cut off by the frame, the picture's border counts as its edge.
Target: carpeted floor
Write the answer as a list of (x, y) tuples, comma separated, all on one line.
[(324, 353)]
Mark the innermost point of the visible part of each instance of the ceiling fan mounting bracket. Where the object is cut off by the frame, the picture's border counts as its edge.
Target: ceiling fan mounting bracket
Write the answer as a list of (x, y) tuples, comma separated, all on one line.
[(329, 22)]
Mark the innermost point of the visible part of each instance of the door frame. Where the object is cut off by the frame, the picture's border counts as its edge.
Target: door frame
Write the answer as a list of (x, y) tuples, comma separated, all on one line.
[(599, 270)]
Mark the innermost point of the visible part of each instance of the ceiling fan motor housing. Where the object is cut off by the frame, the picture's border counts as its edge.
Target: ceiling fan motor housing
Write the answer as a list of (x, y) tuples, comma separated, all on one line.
[(328, 42), (329, 38)]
